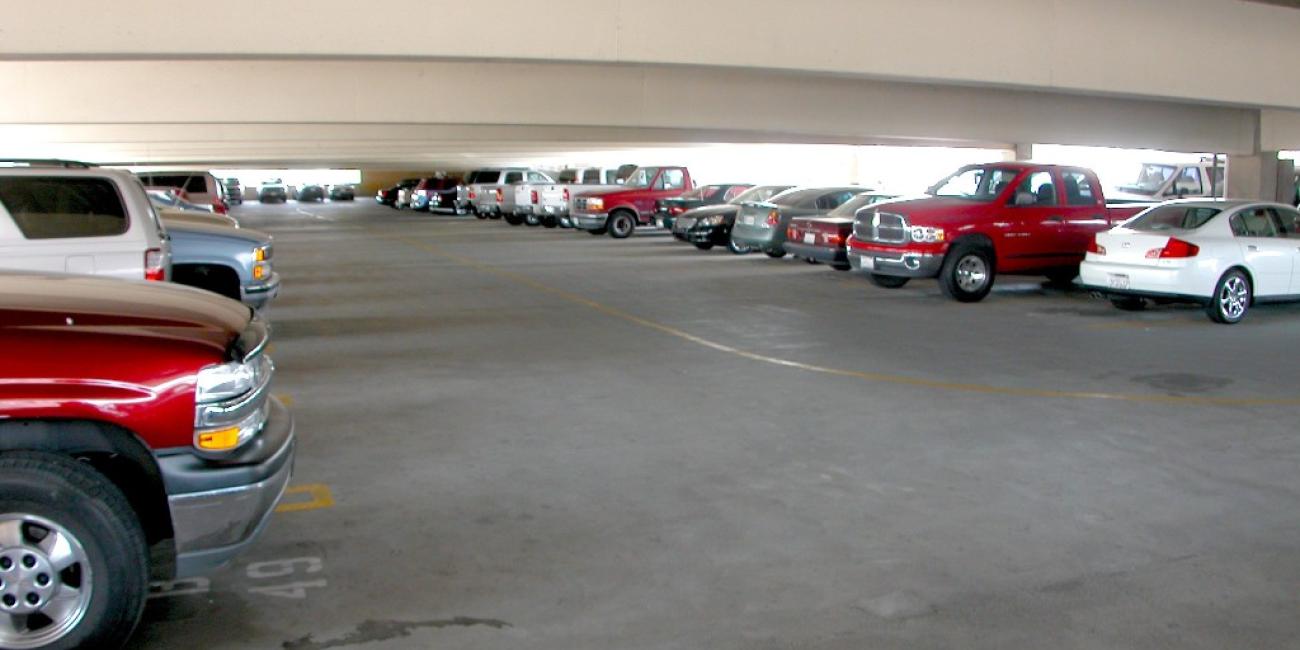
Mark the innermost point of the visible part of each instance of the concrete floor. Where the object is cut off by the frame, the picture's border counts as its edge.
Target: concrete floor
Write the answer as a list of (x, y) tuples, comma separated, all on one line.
[(538, 439)]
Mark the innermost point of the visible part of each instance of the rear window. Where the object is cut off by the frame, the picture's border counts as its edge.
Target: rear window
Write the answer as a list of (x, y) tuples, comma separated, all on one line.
[(1173, 217), (195, 184), (567, 176), (61, 207), (759, 194), (484, 176), (850, 207)]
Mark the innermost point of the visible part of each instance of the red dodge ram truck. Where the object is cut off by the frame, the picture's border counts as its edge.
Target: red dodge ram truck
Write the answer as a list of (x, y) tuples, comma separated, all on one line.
[(138, 440), (1012, 217), (619, 211)]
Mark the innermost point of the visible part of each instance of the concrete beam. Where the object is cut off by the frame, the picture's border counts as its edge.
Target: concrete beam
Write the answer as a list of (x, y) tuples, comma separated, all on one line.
[(1215, 51)]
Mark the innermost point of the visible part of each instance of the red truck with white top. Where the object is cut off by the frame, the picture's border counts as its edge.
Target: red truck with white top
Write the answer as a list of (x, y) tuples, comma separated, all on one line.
[(619, 211), (139, 440), (1007, 217)]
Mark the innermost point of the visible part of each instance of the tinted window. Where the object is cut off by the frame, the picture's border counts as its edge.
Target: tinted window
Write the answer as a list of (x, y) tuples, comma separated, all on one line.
[(1172, 217), (834, 199), (197, 185), (1037, 189), (51, 207), (568, 176), (759, 194), (1290, 222), (851, 206), (1078, 188), (733, 192), (514, 177), (484, 176), (798, 198), (611, 177), (1254, 222)]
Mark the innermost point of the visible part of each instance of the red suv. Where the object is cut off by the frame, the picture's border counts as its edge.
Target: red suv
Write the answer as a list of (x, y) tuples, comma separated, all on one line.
[(138, 440)]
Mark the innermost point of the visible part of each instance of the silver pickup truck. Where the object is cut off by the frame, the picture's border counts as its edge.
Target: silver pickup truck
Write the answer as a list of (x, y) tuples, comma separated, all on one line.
[(556, 200), (485, 189), (520, 201)]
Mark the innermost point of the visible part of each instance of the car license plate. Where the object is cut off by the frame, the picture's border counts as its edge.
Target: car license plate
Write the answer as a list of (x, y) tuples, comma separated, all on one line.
[(749, 220), (1118, 281), (809, 238), (866, 262)]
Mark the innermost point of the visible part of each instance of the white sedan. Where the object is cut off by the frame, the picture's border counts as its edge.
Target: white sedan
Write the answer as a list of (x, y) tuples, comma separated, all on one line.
[(1226, 255)]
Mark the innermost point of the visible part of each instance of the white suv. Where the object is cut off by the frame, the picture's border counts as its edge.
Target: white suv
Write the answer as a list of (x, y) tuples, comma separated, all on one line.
[(68, 217)]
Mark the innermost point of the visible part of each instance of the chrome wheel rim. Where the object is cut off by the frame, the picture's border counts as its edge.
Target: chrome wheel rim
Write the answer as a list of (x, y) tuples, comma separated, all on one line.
[(1234, 298), (972, 273), (45, 581), (622, 225)]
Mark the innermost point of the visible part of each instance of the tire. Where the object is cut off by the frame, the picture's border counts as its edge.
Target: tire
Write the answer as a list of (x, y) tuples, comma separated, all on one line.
[(704, 246), (739, 249), (597, 232), (479, 215), (621, 224), (887, 281), (1232, 298), (774, 254), (1062, 278), (968, 272), (513, 219), (550, 222), (532, 220), (1129, 304), (48, 495), (810, 260), (841, 267)]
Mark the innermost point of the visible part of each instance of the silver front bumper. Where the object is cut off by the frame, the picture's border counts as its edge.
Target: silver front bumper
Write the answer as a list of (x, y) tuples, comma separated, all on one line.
[(588, 220), (214, 525)]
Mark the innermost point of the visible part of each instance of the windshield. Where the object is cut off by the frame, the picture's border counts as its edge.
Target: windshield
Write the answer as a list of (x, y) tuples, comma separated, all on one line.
[(850, 207), (759, 194), (1150, 179), (1172, 217), (642, 177), (568, 176), (982, 184)]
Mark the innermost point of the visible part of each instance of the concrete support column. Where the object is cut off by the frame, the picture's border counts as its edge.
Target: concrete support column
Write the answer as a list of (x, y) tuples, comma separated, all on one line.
[(1024, 151), (1253, 177)]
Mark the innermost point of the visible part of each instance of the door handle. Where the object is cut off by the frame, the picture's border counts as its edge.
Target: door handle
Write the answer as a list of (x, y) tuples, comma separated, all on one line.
[(1252, 248)]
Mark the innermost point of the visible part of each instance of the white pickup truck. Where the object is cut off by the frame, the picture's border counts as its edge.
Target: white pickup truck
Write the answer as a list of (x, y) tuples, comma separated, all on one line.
[(520, 200), (485, 189), (556, 200), (69, 217), (1164, 181)]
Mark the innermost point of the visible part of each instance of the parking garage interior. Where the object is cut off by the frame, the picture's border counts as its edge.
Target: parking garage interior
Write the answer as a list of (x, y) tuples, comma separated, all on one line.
[(527, 437)]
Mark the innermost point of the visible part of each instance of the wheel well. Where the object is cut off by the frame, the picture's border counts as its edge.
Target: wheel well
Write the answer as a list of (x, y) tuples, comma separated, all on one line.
[(626, 210), (112, 451), (213, 277)]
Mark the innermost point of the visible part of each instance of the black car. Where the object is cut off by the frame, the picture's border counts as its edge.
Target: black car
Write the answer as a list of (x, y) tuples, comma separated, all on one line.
[(667, 210), (234, 192), (711, 225), (390, 195), (342, 193), (311, 193)]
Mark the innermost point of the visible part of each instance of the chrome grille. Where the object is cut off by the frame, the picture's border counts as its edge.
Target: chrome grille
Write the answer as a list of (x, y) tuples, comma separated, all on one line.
[(881, 227)]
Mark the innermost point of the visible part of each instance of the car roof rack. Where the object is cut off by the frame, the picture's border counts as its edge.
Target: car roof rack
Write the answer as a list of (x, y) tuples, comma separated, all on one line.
[(46, 162)]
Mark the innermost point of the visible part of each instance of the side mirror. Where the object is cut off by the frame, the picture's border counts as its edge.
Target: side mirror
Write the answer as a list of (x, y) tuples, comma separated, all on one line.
[(1026, 198)]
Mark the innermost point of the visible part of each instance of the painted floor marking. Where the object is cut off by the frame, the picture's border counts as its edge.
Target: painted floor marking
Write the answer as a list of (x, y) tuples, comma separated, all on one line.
[(840, 372), (319, 496)]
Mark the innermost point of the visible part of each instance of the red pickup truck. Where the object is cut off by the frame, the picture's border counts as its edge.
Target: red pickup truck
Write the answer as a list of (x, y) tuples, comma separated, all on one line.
[(138, 440), (619, 211), (1010, 217)]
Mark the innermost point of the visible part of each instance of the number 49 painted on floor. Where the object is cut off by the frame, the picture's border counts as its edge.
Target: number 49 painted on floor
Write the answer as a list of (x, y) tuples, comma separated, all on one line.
[(283, 569)]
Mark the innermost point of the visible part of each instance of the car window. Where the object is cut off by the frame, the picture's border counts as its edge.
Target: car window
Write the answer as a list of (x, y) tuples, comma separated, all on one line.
[(197, 184), (611, 177), (1172, 217), (1188, 182), (671, 179), (534, 177), (60, 207), (1037, 189), (1289, 220), (568, 176), (485, 176), (1078, 188), (735, 191), (983, 184), (834, 199), (514, 177), (1254, 222), (851, 206)]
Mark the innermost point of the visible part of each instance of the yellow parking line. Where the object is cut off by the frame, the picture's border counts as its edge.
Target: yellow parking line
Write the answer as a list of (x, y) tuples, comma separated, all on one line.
[(285, 399), (869, 376), (319, 493)]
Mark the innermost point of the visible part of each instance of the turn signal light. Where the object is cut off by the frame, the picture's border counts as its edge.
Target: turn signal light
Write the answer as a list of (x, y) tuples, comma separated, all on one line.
[(835, 239), (1095, 248), (219, 440), (473, 195), (566, 195), (534, 197), (791, 233), (1174, 249), (500, 194), (774, 217), (153, 265)]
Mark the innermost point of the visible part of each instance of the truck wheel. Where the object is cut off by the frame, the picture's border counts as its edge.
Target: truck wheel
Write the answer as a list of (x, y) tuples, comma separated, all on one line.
[(739, 249), (967, 273), (621, 224), (550, 222), (887, 281), (775, 254), (532, 220), (477, 214), (513, 219), (73, 559), (1231, 299), (704, 246)]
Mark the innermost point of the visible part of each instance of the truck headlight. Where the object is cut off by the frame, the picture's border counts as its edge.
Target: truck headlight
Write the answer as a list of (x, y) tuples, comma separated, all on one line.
[(231, 404), (596, 205), (219, 383), (926, 234)]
